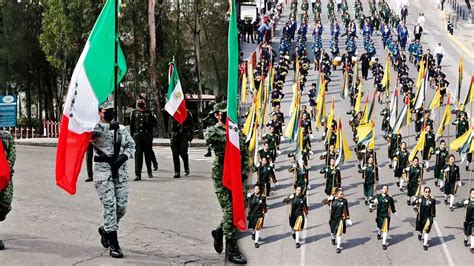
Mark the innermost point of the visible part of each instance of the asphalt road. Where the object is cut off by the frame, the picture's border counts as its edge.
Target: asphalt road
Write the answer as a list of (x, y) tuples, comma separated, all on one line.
[(169, 221), (360, 246)]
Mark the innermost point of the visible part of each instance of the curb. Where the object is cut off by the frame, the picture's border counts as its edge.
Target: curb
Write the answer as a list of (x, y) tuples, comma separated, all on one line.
[(55, 144)]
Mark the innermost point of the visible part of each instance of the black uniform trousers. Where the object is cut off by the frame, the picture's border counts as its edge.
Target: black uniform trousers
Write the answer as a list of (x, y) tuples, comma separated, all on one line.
[(89, 156), (143, 145), (179, 147)]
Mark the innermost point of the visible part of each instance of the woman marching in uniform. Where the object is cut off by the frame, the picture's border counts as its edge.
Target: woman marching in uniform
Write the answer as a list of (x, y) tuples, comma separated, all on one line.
[(370, 176), (332, 174), (265, 175), (400, 162), (469, 220), (385, 207), (452, 179), (425, 206), (338, 218), (298, 213), (414, 173), (257, 212), (442, 154)]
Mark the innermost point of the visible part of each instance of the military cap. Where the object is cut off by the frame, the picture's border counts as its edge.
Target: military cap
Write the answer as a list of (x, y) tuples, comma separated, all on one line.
[(220, 107), (107, 105)]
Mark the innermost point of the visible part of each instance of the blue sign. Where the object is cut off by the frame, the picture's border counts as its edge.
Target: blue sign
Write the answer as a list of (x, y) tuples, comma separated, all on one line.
[(8, 110)]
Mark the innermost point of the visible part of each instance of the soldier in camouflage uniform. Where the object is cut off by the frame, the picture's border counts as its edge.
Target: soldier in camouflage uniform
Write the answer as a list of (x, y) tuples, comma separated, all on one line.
[(216, 139), (111, 174), (6, 195)]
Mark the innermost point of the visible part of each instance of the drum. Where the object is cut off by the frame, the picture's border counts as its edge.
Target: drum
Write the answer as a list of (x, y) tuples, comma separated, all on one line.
[(337, 61)]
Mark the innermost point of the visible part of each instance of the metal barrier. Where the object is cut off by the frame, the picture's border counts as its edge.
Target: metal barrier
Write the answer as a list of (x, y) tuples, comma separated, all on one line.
[(22, 132)]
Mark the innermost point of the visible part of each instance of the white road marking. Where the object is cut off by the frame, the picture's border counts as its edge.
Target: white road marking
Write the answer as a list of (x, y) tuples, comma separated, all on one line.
[(445, 247)]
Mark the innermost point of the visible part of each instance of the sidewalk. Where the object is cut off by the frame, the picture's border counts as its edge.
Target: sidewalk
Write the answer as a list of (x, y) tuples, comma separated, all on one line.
[(53, 142)]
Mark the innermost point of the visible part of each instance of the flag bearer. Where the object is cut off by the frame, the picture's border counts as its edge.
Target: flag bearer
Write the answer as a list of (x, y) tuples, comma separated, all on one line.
[(298, 213), (453, 181), (338, 218), (425, 206), (414, 173), (385, 207), (442, 154)]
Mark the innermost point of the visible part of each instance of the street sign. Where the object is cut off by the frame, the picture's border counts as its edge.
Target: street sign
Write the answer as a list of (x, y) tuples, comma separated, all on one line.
[(8, 109)]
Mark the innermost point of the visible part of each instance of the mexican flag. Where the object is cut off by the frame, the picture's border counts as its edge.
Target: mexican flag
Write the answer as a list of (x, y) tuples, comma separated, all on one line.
[(232, 175), (4, 168), (175, 104), (91, 83)]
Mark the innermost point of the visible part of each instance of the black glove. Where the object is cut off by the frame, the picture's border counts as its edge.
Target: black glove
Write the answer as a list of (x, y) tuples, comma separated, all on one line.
[(121, 159), (114, 125)]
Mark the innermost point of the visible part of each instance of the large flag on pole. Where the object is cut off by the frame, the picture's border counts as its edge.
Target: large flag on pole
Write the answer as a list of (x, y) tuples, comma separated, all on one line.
[(4, 168), (386, 76), (175, 104), (446, 118), (460, 76), (369, 110), (394, 108), (342, 146), (365, 133), (419, 145), (420, 95), (401, 119), (91, 83), (358, 98), (232, 175), (436, 101)]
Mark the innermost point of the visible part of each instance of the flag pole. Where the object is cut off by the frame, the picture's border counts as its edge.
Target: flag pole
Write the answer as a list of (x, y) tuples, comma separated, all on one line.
[(116, 64)]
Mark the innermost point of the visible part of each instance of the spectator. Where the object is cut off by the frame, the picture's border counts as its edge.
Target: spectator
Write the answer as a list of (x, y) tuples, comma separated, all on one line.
[(421, 19), (439, 53)]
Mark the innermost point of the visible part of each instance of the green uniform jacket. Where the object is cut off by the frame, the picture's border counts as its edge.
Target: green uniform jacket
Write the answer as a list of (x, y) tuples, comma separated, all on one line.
[(469, 219), (441, 159), (257, 209), (426, 211), (385, 206), (401, 156), (339, 212), (414, 174), (333, 178)]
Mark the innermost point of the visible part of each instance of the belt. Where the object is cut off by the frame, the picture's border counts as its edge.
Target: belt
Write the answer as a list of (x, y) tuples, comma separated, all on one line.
[(102, 159)]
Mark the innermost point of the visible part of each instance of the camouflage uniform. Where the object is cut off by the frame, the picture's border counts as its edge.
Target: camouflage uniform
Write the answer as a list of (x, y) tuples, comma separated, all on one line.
[(113, 192), (6, 195)]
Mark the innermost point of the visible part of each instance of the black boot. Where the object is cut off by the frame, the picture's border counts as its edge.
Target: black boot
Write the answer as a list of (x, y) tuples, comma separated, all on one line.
[(234, 253), (2, 246), (103, 237), (115, 251), (218, 236), (89, 179)]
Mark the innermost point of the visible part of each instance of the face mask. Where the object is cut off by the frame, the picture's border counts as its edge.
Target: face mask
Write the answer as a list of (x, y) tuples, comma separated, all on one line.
[(141, 105), (108, 115)]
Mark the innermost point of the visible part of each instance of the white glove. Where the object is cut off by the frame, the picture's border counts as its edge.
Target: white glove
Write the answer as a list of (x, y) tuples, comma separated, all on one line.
[(349, 222), (466, 202), (311, 152), (282, 138), (330, 198), (396, 213), (258, 164), (249, 195), (311, 136), (459, 184), (276, 183), (292, 196), (309, 186), (446, 170)]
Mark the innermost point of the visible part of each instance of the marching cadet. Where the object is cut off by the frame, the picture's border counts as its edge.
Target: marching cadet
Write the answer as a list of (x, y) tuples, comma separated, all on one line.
[(452, 181), (266, 153), (142, 123), (306, 151), (278, 127), (271, 139), (265, 175), (462, 125), (257, 205), (332, 175), (298, 213), (442, 154), (281, 117), (216, 138), (111, 174), (370, 175), (429, 146), (338, 217), (6, 193), (469, 220), (400, 162), (386, 119), (313, 95), (276, 96), (306, 123), (394, 139), (328, 155), (385, 207), (414, 172), (424, 121), (425, 206)]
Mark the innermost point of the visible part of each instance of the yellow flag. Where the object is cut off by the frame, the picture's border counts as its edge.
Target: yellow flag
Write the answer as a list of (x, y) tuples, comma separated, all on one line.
[(364, 133), (243, 92), (249, 121), (365, 117), (471, 89), (421, 73), (293, 100), (321, 105), (386, 76), (371, 145), (436, 101), (446, 118), (419, 145), (460, 141), (254, 139), (330, 118), (358, 99)]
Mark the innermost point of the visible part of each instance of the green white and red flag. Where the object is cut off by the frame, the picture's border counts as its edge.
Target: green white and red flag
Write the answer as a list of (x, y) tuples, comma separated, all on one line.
[(175, 104), (232, 174), (91, 84)]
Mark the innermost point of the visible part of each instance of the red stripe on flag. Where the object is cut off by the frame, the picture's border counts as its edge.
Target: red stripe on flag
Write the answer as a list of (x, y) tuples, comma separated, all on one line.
[(232, 180), (69, 156), (181, 114), (4, 168)]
